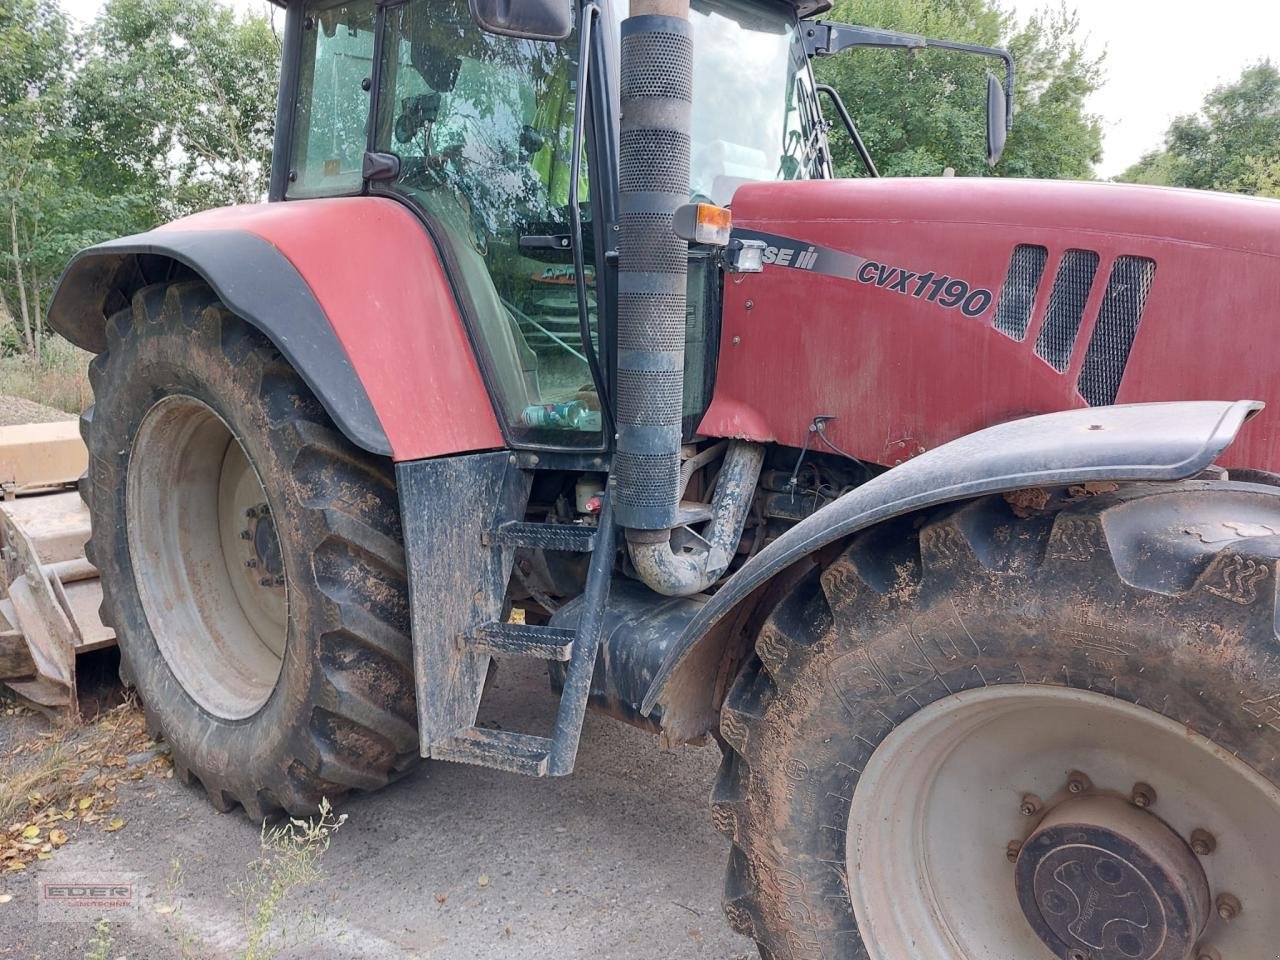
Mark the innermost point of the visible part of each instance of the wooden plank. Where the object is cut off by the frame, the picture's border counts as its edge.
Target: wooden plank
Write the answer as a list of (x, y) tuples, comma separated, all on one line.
[(456, 582)]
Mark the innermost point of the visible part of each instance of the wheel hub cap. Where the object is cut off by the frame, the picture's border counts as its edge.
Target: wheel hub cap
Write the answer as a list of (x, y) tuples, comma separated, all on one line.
[(1101, 879)]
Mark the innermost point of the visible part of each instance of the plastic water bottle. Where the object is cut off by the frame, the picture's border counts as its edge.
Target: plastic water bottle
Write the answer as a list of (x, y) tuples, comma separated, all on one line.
[(557, 416)]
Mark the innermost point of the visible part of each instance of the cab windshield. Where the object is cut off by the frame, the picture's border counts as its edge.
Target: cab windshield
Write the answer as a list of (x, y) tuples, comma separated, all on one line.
[(755, 114)]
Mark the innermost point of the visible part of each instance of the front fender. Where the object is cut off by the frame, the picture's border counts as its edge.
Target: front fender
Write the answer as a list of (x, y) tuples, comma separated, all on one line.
[(1150, 441), (352, 293)]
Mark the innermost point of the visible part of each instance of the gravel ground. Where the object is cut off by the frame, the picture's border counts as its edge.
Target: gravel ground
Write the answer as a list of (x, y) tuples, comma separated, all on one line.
[(17, 410), (618, 862)]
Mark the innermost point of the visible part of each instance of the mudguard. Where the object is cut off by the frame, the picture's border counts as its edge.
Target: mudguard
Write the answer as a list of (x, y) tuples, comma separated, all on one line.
[(1152, 441), (352, 293)]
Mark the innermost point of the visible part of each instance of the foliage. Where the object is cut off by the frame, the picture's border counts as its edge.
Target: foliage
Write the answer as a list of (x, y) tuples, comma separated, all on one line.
[(176, 100), (35, 63), (58, 380), (1261, 177), (290, 859), (64, 781), (920, 114), (159, 109), (1233, 143), (99, 946)]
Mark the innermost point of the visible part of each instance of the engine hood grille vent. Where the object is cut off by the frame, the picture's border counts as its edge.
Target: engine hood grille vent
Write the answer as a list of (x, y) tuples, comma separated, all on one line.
[(1119, 312), (1067, 302), (1113, 336), (1018, 296)]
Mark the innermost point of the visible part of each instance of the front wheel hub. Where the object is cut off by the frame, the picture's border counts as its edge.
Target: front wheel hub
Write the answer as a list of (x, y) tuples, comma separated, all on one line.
[(1101, 879)]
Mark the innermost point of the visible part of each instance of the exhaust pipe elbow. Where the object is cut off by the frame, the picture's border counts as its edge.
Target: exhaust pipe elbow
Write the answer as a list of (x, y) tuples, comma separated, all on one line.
[(681, 573)]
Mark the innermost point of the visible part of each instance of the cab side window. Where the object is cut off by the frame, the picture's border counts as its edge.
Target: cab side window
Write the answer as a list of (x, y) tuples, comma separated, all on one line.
[(483, 127), (331, 120)]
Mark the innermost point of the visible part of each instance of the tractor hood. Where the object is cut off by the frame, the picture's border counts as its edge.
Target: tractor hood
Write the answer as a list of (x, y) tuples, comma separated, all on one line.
[(916, 311)]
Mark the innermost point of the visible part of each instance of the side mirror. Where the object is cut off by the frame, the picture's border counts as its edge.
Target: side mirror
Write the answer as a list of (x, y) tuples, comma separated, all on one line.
[(525, 19), (997, 120)]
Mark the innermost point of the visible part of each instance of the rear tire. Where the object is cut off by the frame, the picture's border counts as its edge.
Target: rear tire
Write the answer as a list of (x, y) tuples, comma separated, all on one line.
[(274, 691), (872, 803)]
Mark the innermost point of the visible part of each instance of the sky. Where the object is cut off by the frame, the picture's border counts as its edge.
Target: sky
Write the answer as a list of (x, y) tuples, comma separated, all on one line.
[(1163, 56)]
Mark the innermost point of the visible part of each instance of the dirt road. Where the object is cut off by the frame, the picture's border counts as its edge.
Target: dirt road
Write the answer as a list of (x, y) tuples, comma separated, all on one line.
[(18, 410), (616, 862)]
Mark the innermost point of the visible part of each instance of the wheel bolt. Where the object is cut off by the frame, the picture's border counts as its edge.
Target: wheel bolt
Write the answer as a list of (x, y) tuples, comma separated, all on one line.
[(1205, 952), (1031, 805), (1075, 953), (251, 564), (251, 513), (1229, 907), (265, 582), (279, 581), (1144, 795), (246, 534), (1203, 842), (1012, 850), (1078, 782)]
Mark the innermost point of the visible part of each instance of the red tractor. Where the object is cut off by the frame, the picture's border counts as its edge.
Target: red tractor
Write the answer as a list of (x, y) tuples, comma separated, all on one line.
[(927, 499)]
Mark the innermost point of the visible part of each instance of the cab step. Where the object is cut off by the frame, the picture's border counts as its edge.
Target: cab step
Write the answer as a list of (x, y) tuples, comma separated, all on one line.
[(561, 537), (501, 749), (464, 520), (524, 640)]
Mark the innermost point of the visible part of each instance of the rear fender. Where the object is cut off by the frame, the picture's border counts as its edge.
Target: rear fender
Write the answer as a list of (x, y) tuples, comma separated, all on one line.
[(1151, 442), (350, 291)]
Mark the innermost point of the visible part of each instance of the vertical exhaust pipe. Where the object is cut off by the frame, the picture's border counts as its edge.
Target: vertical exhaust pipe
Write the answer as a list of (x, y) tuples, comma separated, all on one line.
[(656, 99)]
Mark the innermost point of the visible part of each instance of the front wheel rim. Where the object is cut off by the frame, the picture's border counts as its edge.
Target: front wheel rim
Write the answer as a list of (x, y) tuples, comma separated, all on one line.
[(940, 814), (206, 559)]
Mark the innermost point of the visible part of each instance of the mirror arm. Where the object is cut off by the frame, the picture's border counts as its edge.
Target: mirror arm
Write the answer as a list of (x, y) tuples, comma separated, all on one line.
[(834, 95), (999, 54), (825, 39), (589, 13)]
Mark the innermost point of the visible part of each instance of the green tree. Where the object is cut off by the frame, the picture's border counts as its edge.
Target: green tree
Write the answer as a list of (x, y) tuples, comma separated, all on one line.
[(920, 114), (35, 62), (1261, 177), (1233, 143), (176, 103)]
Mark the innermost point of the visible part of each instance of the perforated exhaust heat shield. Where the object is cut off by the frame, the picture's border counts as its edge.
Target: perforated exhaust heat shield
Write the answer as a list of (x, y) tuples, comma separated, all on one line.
[(656, 100)]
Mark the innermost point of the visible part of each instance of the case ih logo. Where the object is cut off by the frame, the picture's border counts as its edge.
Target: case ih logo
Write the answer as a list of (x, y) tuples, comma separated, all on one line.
[(946, 291)]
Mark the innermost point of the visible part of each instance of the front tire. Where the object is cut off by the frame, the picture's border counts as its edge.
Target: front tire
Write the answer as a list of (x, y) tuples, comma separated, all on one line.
[(901, 780), (251, 561)]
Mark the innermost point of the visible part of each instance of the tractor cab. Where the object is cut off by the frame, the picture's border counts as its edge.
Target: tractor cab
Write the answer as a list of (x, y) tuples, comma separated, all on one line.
[(474, 132)]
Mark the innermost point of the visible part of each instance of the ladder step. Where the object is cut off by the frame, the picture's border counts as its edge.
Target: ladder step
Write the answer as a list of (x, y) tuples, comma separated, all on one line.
[(523, 640), (500, 749), (569, 538)]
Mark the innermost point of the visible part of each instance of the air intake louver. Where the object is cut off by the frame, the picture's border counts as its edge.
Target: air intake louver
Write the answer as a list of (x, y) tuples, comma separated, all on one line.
[(1118, 320), (1070, 294), (1018, 297)]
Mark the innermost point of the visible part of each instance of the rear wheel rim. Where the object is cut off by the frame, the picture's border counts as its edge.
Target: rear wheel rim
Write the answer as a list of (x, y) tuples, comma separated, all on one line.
[(206, 559), (941, 802)]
